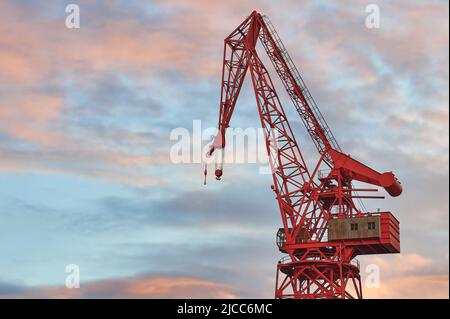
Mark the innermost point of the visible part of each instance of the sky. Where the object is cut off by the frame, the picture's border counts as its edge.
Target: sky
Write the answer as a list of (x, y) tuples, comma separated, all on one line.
[(86, 114)]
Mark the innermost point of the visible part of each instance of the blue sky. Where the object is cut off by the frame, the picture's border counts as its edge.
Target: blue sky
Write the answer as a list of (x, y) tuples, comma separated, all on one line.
[(85, 121)]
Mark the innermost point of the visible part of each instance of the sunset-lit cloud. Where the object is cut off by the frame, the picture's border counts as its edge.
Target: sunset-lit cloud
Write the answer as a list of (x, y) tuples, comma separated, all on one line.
[(85, 122)]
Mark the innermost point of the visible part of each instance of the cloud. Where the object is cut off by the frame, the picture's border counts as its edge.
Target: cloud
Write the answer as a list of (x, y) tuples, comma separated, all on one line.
[(412, 287), (145, 286), (99, 102), (32, 118), (101, 45), (169, 37), (10, 289), (67, 97), (101, 163)]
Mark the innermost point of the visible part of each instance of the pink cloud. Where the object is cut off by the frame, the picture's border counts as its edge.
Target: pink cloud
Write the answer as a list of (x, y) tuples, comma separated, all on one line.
[(411, 287), (36, 50), (409, 276)]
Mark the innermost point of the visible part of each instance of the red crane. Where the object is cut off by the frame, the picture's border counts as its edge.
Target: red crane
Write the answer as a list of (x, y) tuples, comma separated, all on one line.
[(323, 230)]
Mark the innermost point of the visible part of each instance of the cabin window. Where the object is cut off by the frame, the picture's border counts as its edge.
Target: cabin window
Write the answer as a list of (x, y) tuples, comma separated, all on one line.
[(371, 225), (354, 226)]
